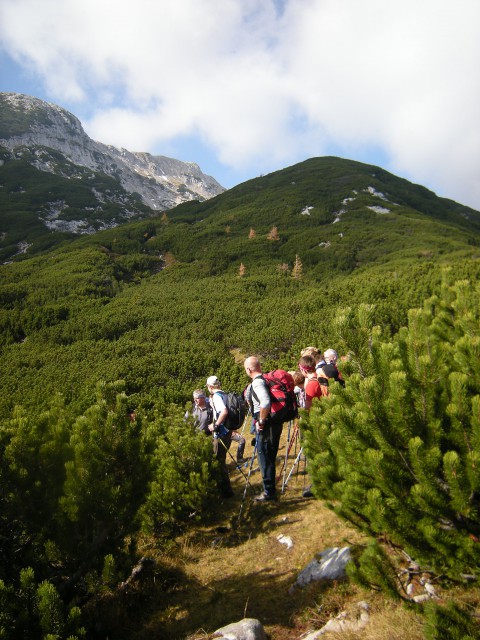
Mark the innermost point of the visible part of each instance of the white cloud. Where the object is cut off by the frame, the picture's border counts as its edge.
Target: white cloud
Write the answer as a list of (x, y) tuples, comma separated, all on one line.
[(266, 83)]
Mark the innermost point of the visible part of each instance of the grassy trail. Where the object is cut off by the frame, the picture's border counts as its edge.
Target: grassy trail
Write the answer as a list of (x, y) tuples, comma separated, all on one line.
[(233, 569)]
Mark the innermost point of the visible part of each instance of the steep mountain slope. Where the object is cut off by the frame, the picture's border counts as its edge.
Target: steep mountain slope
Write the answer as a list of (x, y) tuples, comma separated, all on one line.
[(333, 213), (55, 177)]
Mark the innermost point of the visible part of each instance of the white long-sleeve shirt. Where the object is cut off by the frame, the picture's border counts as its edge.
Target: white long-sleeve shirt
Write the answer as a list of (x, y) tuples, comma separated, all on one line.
[(261, 397)]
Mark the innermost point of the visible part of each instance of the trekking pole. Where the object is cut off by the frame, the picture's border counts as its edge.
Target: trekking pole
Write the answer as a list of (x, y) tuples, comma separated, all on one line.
[(236, 463), (247, 484), (294, 436), (304, 471), (287, 453), (245, 421), (297, 459), (287, 448)]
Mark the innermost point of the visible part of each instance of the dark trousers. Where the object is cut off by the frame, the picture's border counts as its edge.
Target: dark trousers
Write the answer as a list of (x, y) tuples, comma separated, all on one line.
[(220, 447), (240, 440), (268, 441)]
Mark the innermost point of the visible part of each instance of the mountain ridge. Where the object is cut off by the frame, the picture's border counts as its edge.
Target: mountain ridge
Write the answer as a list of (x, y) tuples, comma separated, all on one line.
[(39, 123), (56, 182)]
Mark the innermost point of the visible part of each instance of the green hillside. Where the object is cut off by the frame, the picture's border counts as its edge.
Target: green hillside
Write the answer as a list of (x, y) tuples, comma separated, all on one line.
[(160, 303), (137, 316)]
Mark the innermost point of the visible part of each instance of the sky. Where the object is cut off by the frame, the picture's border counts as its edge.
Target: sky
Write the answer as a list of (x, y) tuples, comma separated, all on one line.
[(247, 87)]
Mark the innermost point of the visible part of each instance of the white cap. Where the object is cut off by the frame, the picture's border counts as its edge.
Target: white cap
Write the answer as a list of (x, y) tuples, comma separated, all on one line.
[(212, 381)]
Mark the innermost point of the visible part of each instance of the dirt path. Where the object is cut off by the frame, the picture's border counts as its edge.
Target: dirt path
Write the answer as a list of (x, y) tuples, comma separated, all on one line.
[(237, 568)]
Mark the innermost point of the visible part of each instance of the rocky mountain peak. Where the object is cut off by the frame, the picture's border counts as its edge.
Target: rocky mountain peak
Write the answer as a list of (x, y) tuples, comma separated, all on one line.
[(162, 182)]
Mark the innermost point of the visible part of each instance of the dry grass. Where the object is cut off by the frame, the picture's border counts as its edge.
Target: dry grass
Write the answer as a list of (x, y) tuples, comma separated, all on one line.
[(233, 569)]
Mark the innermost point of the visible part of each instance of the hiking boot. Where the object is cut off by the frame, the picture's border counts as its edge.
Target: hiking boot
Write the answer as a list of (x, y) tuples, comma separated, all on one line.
[(308, 493), (265, 497)]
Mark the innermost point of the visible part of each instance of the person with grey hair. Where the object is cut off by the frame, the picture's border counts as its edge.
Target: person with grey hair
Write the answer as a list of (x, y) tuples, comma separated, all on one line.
[(330, 369), (221, 435), (202, 411)]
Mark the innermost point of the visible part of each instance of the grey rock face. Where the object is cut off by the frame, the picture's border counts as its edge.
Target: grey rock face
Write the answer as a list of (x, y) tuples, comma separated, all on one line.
[(162, 182)]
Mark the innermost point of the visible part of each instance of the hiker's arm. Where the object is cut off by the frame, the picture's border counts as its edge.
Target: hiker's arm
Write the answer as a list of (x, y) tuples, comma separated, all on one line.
[(222, 416), (263, 397), (264, 413)]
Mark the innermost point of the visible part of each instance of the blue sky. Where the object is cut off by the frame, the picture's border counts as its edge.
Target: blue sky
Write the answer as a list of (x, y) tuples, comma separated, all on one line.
[(246, 87)]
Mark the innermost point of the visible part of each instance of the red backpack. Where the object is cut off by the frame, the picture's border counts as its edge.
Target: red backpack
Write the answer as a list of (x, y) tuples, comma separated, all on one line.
[(284, 406)]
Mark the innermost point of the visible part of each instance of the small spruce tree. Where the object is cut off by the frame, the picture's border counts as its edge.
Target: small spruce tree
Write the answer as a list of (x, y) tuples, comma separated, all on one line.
[(297, 271), (252, 234), (106, 481), (273, 234), (182, 488)]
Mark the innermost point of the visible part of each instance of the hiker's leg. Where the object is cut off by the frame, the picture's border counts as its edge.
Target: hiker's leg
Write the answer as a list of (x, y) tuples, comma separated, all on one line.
[(276, 435), (241, 446), (271, 436), (262, 455), (220, 447)]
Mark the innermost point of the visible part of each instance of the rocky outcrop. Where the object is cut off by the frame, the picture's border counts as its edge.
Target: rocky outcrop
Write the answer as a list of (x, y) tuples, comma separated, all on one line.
[(161, 182)]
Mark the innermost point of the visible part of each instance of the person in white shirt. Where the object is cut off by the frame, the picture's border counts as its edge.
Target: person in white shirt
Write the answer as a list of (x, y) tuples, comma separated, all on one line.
[(221, 435)]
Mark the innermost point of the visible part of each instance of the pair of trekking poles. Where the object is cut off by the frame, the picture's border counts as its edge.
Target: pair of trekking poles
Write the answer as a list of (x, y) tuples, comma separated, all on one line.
[(292, 439), (239, 466), (293, 436)]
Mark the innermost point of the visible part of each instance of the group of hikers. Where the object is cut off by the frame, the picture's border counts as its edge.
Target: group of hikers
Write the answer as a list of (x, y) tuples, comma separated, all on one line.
[(211, 413)]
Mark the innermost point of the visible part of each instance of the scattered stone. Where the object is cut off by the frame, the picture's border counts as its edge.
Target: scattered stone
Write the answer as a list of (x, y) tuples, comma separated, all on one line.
[(430, 589), (246, 629), (423, 597), (342, 623), (329, 565), (286, 540)]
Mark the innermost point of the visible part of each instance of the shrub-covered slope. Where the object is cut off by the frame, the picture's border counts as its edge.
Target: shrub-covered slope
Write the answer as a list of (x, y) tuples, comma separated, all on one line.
[(162, 303)]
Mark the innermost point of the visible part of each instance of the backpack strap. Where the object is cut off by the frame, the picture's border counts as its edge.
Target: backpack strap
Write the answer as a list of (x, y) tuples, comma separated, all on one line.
[(253, 391)]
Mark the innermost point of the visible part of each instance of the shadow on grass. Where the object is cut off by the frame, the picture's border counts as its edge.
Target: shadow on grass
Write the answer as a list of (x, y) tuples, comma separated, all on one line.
[(195, 610), (172, 605)]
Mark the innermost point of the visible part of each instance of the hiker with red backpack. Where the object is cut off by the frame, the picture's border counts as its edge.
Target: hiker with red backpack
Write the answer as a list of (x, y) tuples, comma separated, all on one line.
[(272, 400)]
